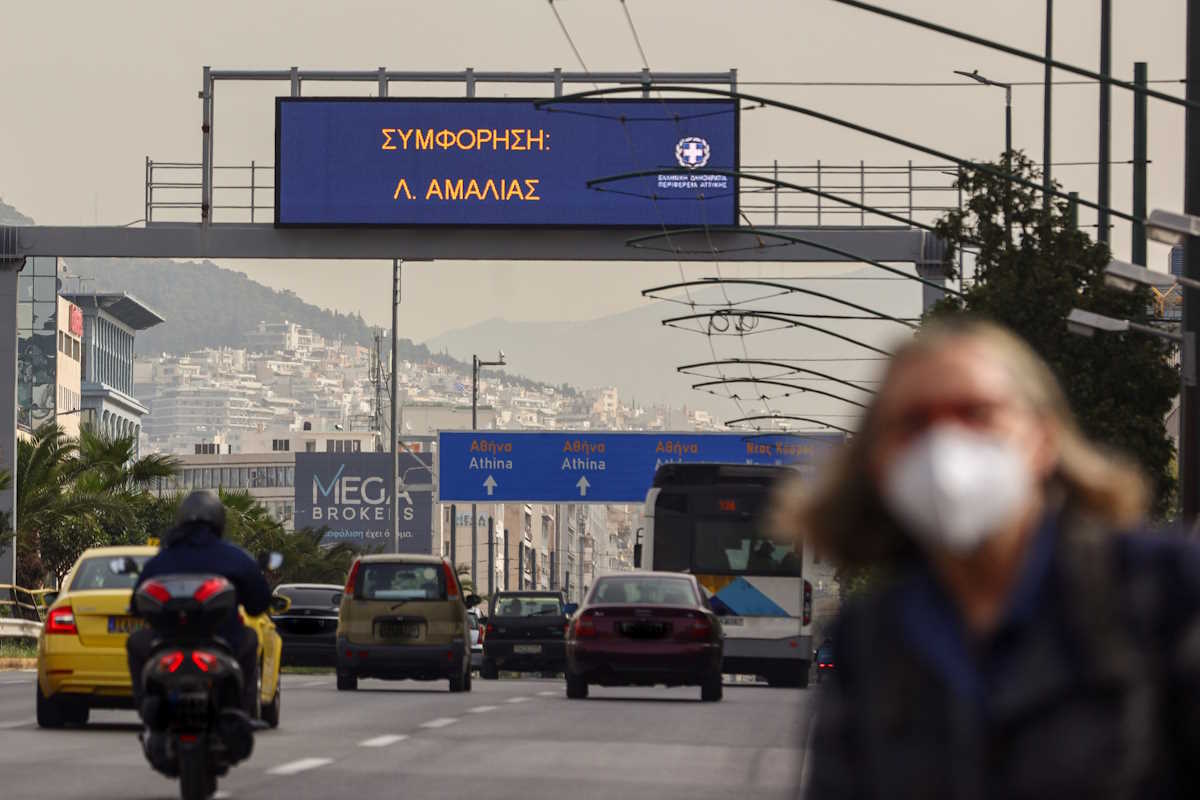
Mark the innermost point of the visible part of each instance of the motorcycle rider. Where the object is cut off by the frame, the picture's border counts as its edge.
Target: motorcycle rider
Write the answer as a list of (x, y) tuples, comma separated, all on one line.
[(196, 545)]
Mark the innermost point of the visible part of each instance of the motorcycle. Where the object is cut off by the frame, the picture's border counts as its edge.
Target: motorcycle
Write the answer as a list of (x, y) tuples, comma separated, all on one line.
[(191, 686)]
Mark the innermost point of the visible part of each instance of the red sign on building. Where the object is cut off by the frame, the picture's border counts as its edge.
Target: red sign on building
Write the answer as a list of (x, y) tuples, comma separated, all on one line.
[(76, 323)]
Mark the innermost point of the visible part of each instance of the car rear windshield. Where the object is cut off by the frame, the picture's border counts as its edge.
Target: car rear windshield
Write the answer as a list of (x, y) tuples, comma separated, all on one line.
[(528, 606), (401, 582), (650, 590), (95, 573), (310, 597)]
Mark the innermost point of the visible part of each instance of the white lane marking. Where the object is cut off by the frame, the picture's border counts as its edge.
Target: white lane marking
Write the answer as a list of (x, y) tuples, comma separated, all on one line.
[(222, 794), (21, 723), (549, 694), (13, 683), (383, 741), (440, 722), (481, 709), (517, 699), (300, 765), (310, 684)]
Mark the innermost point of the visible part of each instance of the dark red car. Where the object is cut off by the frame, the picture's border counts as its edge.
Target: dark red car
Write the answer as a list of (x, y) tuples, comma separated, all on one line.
[(644, 629)]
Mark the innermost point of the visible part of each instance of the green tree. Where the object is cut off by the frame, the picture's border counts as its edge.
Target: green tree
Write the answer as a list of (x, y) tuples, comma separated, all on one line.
[(1120, 387)]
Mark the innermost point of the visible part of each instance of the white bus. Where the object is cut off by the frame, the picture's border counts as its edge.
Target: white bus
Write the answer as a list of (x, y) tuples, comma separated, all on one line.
[(708, 520)]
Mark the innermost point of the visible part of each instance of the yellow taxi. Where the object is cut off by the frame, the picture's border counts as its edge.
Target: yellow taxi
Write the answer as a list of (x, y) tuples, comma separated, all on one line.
[(81, 661)]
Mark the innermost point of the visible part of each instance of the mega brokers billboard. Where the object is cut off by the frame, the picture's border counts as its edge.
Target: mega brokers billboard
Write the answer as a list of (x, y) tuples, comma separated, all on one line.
[(393, 161), (347, 493)]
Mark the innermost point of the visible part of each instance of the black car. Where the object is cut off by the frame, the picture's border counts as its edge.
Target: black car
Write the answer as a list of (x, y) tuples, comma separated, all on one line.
[(525, 632), (824, 659), (309, 627)]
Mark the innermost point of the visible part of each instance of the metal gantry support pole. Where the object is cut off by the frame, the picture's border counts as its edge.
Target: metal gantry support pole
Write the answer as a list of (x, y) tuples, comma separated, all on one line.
[(454, 536), (1140, 125), (507, 548), (397, 265), (1103, 186), (1189, 400), (206, 151)]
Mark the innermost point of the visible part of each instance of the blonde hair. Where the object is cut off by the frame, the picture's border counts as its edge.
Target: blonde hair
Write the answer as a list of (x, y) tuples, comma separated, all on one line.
[(843, 515)]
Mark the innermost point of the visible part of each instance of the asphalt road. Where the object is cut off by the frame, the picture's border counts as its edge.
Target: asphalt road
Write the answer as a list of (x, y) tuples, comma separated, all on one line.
[(505, 739)]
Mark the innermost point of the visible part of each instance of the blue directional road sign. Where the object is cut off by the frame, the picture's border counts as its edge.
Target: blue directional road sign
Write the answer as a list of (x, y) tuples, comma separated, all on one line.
[(584, 467)]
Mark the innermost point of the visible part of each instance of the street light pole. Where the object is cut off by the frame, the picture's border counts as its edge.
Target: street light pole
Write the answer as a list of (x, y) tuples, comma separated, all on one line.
[(476, 364), (397, 266), (1189, 399), (1007, 87)]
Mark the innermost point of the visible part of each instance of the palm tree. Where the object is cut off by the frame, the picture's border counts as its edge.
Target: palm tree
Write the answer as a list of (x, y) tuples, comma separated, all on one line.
[(114, 464)]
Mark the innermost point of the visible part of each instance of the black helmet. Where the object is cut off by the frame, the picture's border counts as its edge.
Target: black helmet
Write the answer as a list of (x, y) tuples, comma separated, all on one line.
[(203, 507)]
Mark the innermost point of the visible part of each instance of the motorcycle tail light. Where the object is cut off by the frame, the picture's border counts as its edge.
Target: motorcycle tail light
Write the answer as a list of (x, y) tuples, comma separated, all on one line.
[(204, 661), (170, 662)]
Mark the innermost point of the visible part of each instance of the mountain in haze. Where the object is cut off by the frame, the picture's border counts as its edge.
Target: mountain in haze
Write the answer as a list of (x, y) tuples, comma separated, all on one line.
[(206, 305)]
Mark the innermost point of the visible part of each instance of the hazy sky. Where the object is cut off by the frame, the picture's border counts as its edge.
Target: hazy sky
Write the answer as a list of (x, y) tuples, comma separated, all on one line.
[(89, 90)]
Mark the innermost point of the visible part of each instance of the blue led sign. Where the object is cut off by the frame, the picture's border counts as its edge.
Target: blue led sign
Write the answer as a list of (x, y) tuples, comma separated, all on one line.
[(392, 161)]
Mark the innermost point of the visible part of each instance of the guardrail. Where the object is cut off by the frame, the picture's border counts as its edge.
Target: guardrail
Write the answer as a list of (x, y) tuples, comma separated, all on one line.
[(246, 193), (20, 604), (19, 629)]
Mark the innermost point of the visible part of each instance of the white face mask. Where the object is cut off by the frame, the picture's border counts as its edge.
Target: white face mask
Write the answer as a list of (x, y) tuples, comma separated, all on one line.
[(953, 487)]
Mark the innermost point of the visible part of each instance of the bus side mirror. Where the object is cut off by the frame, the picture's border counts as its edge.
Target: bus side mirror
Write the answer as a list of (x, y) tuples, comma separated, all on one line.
[(637, 555)]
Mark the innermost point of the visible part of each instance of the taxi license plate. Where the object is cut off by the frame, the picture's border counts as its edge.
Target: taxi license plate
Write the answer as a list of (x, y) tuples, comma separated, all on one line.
[(527, 648), (125, 624)]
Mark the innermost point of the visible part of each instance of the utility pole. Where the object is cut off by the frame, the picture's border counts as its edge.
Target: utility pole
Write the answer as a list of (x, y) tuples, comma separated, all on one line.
[(1189, 400), (1047, 181), (1102, 184), (1140, 149), (394, 435)]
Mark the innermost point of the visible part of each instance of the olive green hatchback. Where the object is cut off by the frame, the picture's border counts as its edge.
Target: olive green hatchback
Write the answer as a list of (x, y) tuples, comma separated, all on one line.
[(404, 617)]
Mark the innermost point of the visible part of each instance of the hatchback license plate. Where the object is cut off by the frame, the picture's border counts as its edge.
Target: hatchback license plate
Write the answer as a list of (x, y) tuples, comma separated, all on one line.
[(399, 630), (527, 649), (125, 624)]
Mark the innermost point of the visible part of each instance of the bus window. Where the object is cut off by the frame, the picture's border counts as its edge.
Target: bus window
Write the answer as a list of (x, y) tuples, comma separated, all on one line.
[(672, 542), (736, 546)]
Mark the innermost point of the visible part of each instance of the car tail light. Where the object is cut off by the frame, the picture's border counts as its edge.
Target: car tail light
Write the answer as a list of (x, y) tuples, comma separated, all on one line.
[(61, 620), (209, 588), (451, 580), (700, 629), (349, 590), (170, 662), (585, 626), (807, 603), (156, 590), (204, 661)]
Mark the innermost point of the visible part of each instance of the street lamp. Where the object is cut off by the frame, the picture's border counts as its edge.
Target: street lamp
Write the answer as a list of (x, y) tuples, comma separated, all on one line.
[(476, 365), (1171, 228), (1088, 323), (1007, 87), (1126, 277)]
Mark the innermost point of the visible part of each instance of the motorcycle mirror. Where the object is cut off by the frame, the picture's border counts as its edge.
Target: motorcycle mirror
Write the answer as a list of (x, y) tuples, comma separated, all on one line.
[(269, 562), (337, 598), (280, 603)]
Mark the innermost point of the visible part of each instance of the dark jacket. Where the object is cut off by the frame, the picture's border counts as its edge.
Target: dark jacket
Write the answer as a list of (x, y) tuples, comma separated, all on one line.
[(196, 549), (1090, 690)]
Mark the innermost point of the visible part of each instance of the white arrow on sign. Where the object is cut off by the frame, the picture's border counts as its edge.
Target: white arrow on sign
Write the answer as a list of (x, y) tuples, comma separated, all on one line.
[(582, 484), (490, 485)]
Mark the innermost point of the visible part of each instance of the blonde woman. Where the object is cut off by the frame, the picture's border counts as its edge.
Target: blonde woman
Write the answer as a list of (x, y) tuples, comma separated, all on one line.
[(1021, 640)]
